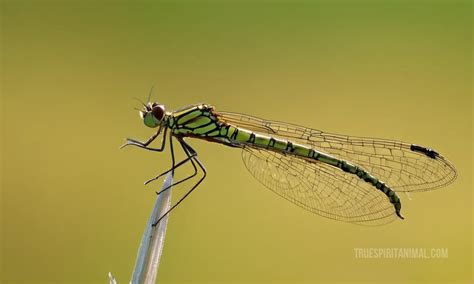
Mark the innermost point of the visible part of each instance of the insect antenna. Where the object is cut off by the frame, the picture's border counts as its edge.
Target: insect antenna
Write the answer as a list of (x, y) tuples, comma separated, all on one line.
[(140, 101), (151, 92)]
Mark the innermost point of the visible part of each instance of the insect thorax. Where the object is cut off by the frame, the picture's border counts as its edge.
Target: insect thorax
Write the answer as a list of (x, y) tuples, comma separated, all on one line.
[(199, 121)]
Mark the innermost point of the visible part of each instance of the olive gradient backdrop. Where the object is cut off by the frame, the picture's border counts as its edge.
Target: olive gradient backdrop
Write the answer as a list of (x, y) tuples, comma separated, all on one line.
[(73, 206)]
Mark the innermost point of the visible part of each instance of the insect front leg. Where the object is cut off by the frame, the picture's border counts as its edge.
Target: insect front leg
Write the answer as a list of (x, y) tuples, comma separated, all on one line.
[(145, 144)]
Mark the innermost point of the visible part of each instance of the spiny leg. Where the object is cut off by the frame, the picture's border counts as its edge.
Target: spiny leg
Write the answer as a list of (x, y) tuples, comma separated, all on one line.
[(145, 144), (191, 154), (189, 148), (189, 158)]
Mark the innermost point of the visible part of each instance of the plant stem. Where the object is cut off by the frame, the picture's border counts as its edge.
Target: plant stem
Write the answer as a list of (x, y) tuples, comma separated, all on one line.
[(151, 247)]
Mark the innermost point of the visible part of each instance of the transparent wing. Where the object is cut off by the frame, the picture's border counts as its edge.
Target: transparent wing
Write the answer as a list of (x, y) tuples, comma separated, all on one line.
[(393, 162), (319, 188)]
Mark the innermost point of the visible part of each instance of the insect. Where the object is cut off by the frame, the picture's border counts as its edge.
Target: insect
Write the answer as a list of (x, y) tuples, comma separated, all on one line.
[(345, 178)]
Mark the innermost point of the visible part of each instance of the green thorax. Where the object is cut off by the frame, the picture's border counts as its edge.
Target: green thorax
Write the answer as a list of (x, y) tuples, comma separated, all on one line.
[(198, 121)]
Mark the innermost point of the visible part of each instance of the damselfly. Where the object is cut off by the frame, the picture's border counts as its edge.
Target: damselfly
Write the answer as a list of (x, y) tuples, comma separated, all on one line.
[(346, 178)]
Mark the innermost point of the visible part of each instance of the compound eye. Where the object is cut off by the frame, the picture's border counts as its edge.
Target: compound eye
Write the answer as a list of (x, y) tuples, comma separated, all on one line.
[(158, 112)]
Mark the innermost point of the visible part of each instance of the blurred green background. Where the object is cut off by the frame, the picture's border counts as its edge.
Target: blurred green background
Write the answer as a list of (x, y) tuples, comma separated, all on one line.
[(73, 206)]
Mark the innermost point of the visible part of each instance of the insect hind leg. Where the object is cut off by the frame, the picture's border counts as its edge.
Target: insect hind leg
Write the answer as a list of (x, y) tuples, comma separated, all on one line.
[(193, 154), (190, 153)]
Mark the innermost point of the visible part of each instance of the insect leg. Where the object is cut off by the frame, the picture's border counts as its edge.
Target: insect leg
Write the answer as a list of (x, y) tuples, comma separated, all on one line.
[(191, 150), (145, 144), (189, 158), (172, 152)]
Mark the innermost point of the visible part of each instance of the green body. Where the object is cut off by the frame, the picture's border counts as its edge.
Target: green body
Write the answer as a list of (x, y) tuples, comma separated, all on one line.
[(202, 122)]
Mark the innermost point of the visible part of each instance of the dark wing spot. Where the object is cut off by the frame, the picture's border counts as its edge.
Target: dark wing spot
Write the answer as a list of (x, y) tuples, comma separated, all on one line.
[(428, 152)]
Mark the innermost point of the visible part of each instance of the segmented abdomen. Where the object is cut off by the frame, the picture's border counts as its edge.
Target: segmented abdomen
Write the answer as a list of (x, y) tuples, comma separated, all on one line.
[(244, 137)]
